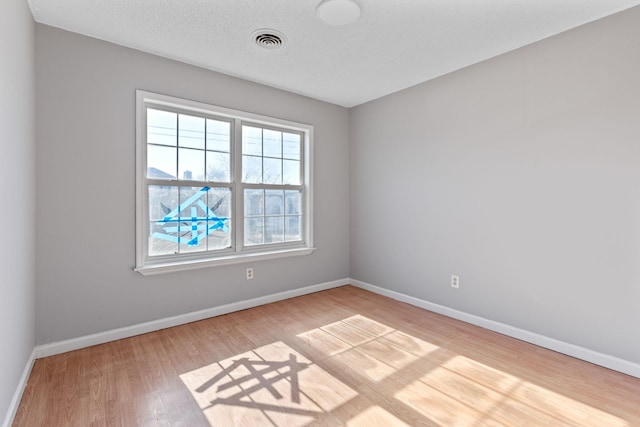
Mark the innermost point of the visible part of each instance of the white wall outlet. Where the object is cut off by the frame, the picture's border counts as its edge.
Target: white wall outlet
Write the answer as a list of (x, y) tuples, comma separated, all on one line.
[(250, 273), (455, 281)]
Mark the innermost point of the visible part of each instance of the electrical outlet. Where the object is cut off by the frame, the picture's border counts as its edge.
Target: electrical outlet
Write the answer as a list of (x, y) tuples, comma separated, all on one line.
[(249, 273), (455, 281)]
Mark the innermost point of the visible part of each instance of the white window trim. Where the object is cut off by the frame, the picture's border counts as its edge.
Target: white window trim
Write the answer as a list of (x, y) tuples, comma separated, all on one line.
[(145, 266)]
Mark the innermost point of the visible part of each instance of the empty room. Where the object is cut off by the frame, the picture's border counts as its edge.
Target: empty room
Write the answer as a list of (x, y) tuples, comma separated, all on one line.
[(320, 213)]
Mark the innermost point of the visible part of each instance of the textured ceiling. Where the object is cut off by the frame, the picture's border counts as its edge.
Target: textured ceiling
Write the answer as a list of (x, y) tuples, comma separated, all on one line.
[(394, 45)]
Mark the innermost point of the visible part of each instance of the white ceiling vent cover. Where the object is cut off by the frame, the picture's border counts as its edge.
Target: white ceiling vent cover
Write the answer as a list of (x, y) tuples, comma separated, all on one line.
[(267, 38)]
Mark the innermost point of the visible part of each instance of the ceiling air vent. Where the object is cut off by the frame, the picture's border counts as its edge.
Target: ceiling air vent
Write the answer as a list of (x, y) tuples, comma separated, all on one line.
[(269, 39)]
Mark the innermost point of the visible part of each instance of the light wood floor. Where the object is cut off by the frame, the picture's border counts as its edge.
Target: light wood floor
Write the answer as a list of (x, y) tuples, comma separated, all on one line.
[(338, 357)]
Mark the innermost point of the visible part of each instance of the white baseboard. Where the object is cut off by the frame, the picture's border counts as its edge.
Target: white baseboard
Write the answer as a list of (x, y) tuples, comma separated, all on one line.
[(143, 328), (17, 395), (578, 352)]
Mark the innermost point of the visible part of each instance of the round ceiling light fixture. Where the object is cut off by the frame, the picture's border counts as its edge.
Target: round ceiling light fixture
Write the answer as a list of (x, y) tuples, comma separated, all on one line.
[(267, 38), (338, 12)]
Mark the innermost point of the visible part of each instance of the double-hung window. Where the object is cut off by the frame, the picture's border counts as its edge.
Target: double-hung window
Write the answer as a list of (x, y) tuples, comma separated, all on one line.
[(218, 186)]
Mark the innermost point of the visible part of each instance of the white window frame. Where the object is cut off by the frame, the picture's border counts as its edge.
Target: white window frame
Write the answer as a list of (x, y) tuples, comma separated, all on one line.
[(238, 253)]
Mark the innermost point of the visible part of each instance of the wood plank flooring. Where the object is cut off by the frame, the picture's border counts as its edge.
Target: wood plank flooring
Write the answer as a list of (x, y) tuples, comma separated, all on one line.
[(339, 357)]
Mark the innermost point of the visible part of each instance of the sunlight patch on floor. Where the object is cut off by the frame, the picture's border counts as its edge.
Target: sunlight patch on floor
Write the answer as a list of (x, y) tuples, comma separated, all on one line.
[(376, 349), (270, 384), (464, 392)]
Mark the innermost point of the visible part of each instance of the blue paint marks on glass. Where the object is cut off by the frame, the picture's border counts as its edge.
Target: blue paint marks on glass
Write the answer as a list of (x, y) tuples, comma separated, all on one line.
[(192, 229)]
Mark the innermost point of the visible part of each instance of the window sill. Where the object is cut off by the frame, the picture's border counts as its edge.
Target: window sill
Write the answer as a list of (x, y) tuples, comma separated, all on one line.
[(152, 269)]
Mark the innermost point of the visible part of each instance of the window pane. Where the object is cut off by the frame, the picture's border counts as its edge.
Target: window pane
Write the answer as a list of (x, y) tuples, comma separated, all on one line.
[(163, 204), (162, 200), (251, 140), (192, 220), (218, 135), (218, 167), (253, 202), (219, 239), (291, 146), (274, 202), (161, 162), (219, 203), (293, 201), (291, 172), (272, 171), (293, 231), (253, 231), (274, 229), (161, 243), (272, 143), (190, 164), (191, 131), (252, 169), (218, 229), (161, 127)]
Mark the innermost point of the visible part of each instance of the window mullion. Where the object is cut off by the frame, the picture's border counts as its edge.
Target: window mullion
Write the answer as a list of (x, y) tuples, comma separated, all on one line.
[(177, 146), (238, 187)]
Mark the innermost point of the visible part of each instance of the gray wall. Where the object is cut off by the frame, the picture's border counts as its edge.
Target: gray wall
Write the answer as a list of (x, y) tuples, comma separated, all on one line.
[(521, 174), (86, 189), (17, 192)]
